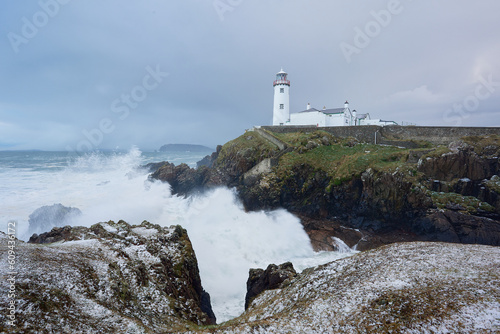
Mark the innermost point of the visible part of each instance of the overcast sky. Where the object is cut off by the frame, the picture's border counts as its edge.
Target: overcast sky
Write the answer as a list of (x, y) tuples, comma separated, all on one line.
[(79, 74)]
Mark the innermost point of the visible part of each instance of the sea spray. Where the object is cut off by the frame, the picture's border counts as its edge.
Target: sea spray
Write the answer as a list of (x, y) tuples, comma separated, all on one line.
[(227, 240)]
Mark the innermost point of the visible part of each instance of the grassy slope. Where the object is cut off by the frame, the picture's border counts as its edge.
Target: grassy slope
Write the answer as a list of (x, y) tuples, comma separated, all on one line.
[(342, 159)]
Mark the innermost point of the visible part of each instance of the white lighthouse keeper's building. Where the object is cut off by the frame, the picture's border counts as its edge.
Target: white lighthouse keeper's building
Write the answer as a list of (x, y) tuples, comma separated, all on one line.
[(281, 109)]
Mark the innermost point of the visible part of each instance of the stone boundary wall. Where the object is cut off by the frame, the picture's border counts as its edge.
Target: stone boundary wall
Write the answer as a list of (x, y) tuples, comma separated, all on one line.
[(393, 134)]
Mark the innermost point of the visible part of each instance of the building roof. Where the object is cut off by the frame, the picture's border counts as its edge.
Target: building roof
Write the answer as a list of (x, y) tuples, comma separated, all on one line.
[(324, 111), (308, 110), (333, 111)]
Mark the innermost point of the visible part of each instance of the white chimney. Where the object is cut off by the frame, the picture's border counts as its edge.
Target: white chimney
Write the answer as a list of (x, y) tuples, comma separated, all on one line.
[(308, 106), (346, 105)]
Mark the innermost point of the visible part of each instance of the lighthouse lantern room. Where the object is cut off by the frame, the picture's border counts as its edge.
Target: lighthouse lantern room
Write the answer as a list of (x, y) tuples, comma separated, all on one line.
[(281, 110)]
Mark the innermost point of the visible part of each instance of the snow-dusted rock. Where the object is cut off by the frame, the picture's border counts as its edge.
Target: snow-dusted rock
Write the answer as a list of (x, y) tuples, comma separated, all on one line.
[(401, 288), (110, 278)]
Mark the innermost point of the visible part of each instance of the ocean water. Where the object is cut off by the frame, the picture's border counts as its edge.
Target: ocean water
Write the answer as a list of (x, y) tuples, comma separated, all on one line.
[(109, 186)]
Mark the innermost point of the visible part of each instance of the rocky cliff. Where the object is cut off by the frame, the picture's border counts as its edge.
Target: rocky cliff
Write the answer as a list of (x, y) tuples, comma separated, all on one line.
[(383, 193), (109, 278)]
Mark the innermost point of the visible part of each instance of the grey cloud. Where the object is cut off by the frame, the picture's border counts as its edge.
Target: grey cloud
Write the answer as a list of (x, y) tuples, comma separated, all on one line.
[(66, 78)]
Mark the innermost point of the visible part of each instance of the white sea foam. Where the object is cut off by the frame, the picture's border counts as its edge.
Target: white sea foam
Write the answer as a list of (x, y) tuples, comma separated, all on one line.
[(227, 240)]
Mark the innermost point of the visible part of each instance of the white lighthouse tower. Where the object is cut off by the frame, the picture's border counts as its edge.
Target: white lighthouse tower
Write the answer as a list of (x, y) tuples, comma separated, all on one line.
[(281, 109)]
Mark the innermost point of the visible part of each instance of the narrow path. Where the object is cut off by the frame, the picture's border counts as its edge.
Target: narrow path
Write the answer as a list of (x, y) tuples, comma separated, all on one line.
[(266, 165), (271, 139)]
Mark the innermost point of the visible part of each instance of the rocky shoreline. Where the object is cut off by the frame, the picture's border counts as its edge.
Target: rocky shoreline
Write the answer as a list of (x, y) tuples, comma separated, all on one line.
[(435, 193)]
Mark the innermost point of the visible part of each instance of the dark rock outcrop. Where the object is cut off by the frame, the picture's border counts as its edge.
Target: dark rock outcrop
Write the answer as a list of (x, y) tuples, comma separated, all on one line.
[(66, 233), (154, 166), (323, 234), (182, 178), (453, 226), (209, 160), (462, 162), (321, 231), (273, 277), (469, 169)]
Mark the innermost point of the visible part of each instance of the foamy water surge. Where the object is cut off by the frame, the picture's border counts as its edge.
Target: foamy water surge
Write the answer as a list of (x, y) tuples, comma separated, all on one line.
[(227, 240)]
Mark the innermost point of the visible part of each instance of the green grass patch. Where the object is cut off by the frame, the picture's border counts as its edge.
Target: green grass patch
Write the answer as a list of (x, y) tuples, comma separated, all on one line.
[(300, 138), (343, 162), (468, 204)]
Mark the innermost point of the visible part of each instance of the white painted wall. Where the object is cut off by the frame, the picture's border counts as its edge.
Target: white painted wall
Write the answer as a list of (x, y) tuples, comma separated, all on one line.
[(308, 118), (318, 118), (335, 120)]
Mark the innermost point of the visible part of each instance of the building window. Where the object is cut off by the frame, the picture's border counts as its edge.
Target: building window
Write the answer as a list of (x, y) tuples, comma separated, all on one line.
[(282, 90), (282, 106)]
